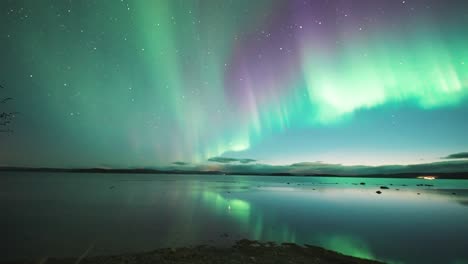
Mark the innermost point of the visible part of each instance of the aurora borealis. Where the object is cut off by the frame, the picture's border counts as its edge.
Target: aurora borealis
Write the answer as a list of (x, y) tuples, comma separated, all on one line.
[(147, 83)]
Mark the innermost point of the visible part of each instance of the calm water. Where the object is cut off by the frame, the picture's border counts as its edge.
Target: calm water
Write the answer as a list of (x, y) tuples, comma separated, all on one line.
[(67, 214)]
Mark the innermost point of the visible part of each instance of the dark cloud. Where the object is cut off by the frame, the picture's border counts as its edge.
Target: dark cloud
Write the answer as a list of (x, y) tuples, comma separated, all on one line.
[(229, 160), (180, 163), (461, 155), (244, 161), (222, 159), (445, 166), (317, 168)]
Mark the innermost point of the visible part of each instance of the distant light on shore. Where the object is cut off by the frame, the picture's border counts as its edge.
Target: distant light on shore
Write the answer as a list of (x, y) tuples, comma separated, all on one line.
[(427, 177)]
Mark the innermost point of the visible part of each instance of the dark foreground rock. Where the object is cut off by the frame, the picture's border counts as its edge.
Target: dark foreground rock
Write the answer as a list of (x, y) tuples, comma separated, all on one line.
[(244, 251)]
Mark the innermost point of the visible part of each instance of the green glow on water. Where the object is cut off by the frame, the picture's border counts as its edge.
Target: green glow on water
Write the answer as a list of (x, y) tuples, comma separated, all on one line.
[(238, 209), (347, 245)]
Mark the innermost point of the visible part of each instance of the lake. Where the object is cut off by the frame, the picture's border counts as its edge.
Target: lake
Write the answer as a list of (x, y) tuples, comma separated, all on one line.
[(66, 214)]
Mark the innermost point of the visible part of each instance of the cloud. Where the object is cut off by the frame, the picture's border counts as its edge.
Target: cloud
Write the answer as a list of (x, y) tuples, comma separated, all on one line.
[(461, 155), (180, 163), (229, 160), (230, 165), (245, 161), (222, 159)]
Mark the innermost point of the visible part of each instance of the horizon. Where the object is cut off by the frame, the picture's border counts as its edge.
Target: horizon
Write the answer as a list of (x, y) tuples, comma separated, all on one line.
[(452, 164)]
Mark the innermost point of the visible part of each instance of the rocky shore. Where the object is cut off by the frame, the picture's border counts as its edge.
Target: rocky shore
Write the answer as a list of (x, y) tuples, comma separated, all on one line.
[(244, 251)]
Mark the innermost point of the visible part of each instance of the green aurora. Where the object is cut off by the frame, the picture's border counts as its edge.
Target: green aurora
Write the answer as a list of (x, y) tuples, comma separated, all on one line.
[(148, 83)]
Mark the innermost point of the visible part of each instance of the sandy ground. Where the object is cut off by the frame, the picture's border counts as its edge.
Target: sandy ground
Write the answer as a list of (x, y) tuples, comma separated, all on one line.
[(244, 251)]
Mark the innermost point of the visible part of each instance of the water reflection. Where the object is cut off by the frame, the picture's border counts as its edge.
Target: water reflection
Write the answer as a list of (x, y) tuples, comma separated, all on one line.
[(347, 244), (346, 218), (253, 224), (144, 212), (237, 208)]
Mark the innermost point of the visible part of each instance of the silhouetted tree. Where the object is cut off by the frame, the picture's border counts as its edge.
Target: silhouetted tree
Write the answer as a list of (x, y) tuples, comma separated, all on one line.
[(6, 117)]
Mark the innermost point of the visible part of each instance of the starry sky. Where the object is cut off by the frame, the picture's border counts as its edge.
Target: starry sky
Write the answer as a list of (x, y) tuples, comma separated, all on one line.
[(122, 83)]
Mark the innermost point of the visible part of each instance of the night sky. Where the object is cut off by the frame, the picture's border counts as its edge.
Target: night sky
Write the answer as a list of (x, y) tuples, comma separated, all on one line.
[(122, 83)]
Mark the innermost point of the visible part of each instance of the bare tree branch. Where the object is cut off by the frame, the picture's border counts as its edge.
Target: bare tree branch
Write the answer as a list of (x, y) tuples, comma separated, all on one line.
[(6, 117), (6, 100)]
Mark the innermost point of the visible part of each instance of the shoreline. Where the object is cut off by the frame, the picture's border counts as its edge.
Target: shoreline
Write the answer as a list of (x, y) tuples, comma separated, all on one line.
[(243, 251), (412, 175)]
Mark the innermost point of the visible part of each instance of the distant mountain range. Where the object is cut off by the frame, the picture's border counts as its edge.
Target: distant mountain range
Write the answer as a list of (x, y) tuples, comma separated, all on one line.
[(441, 175)]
